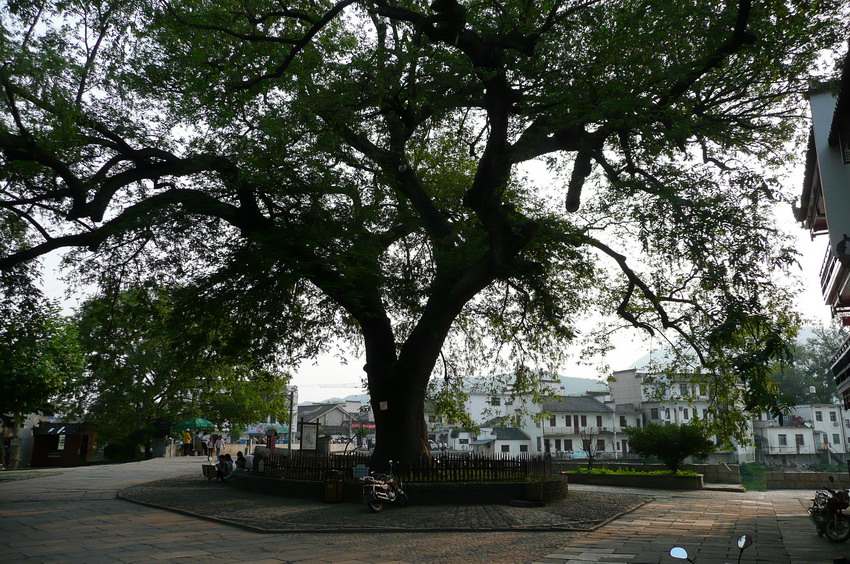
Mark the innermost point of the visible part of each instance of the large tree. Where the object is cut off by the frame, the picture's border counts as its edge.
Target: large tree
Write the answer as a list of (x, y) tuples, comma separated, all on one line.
[(423, 179)]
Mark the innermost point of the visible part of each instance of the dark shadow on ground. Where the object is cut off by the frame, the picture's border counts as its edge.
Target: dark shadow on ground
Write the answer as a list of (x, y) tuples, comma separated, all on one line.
[(580, 511)]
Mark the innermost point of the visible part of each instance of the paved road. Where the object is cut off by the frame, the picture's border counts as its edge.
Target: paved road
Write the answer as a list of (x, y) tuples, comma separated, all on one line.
[(75, 517)]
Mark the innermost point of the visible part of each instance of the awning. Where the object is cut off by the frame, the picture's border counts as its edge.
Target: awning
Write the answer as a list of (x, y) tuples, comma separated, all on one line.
[(483, 441)]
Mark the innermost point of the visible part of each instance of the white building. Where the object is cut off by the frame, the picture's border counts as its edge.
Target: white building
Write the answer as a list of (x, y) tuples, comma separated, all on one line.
[(578, 424), (505, 441), (816, 433), (825, 206), (665, 400)]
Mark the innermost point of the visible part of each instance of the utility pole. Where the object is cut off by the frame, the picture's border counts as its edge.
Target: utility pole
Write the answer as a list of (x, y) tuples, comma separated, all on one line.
[(292, 391)]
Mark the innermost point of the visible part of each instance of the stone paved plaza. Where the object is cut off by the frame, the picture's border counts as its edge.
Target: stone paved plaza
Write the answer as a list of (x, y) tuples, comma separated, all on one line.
[(74, 516)]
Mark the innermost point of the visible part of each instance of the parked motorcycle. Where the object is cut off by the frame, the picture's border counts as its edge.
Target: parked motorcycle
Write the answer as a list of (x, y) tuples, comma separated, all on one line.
[(743, 542), (381, 488), (827, 514)]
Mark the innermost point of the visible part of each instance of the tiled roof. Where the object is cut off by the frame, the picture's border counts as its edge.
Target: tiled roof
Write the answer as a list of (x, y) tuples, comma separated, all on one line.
[(313, 412), (510, 434), (575, 404)]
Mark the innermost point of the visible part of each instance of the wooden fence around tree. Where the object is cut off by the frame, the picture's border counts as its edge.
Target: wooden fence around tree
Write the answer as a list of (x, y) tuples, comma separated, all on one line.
[(445, 467)]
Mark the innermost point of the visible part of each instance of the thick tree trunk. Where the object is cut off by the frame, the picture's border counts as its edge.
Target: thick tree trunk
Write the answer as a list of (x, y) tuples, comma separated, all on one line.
[(401, 434)]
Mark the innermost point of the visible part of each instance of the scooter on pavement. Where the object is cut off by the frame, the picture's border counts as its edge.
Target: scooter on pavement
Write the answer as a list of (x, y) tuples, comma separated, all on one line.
[(383, 488), (827, 514)]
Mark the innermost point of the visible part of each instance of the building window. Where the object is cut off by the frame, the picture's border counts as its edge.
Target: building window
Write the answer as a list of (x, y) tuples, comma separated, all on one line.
[(584, 420), (495, 400), (557, 444), (538, 444), (463, 441), (683, 390), (800, 440), (783, 440), (432, 419), (600, 445), (818, 416), (568, 420), (653, 413), (506, 448), (685, 413), (666, 413), (599, 421), (835, 439), (523, 448), (833, 416), (623, 421), (552, 421), (568, 444)]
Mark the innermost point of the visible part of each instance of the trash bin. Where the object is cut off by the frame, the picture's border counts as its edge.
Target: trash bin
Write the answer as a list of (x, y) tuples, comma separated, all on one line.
[(333, 486)]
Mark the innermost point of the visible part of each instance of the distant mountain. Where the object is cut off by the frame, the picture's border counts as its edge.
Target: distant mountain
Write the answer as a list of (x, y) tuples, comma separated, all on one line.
[(362, 398), (664, 355), (580, 386)]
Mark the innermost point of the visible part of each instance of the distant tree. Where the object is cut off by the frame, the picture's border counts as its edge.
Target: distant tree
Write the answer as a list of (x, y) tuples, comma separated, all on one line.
[(672, 444), (810, 367), (590, 444), (39, 351), (147, 362)]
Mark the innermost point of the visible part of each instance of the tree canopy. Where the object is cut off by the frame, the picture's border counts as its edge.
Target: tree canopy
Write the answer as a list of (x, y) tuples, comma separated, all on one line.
[(38, 345), (451, 178), (811, 366), (671, 444), (150, 365)]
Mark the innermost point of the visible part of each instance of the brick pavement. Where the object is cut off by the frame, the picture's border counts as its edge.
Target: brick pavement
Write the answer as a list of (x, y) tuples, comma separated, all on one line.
[(75, 517)]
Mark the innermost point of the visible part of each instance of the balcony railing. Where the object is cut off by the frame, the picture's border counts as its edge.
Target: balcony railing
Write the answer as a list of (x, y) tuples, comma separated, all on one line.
[(827, 270), (554, 431), (841, 362)]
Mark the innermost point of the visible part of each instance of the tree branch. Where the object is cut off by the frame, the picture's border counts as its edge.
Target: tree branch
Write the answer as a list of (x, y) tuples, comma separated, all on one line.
[(636, 281)]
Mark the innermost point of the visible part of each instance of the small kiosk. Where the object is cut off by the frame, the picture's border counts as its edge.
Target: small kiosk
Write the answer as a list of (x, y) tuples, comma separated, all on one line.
[(63, 444)]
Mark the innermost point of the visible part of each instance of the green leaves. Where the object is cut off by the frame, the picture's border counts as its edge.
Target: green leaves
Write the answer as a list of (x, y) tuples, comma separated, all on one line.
[(147, 361), (672, 444), (39, 356)]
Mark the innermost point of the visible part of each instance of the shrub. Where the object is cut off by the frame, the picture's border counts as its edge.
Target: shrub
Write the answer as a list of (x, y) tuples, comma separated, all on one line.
[(630, 472), (672, 444), (752, 476)]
